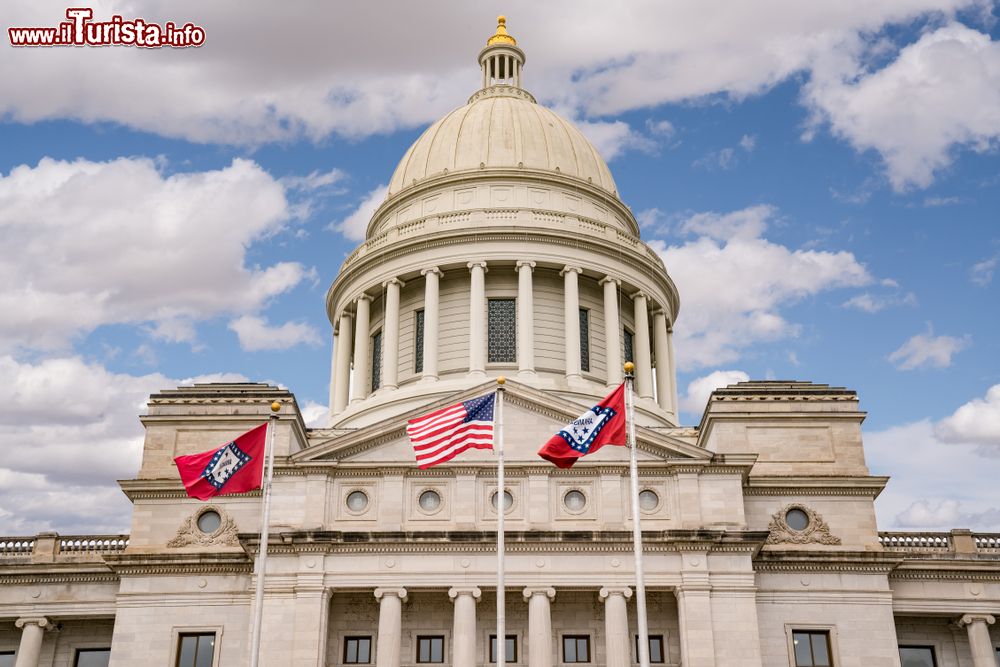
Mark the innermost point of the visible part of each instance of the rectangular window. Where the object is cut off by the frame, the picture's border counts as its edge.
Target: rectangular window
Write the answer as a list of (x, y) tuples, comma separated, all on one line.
[(430, 649), (6, 659), (511, 655), (196, 650), (357, 650), (918, 656), (655, 649), (812, 648), (584, 339), (377, 360), (502, 343), (628, 340), (576, 648), (92, 657), (418, 342)]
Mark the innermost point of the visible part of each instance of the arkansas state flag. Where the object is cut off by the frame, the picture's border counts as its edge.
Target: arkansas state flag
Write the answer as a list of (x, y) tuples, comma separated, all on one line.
[(604, 424), (236, 467)]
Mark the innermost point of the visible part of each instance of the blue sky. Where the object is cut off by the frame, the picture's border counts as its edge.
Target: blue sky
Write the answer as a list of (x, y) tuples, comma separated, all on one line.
[(822, 181)]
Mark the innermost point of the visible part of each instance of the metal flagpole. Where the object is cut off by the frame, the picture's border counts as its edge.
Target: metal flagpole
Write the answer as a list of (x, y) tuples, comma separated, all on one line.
[(501, 507), (640, 584), (265, 517)]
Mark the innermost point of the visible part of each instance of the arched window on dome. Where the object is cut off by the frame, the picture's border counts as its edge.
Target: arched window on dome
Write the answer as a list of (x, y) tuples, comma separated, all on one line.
[(502, 343), (584, 340), (418, 341), (377, 360), (628, 345)]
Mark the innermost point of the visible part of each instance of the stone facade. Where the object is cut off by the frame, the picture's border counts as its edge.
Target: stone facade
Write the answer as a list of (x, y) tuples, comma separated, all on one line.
[(759, 523)]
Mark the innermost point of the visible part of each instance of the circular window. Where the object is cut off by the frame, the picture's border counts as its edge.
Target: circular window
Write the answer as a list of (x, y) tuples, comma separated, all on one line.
[(429, 501), (508, 500), (575, 501), (797, 519), (209, 521), (648, 500), (357, 501)]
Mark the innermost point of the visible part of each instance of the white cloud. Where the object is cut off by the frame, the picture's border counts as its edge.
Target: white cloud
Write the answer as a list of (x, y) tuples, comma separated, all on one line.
[(612, 138), (355, 225), (932, 202), (727, 158), (935, 485), (661, 128), (256, 334), (873, 303), (315, 180), (941, 93), (699, 389), (121, 242), (315, 414), (976, 422), (748, 142), (736, 283), (927, 350), (68, 432), (981, 273)]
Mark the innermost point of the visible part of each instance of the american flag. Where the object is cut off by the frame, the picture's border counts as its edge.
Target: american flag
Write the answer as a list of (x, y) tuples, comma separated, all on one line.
[(443, 434)]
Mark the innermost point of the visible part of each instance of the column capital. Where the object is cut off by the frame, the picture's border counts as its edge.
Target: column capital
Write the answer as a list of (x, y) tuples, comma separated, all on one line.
[(391, 592), (393, 281), (363, 297), (659, 312), (610, 279), (569, 269), (432, 269), (639, 295), (547, 591), (525, 263), (969, 619), (608, 591), (40, 621), (474, 591), (481, 263)]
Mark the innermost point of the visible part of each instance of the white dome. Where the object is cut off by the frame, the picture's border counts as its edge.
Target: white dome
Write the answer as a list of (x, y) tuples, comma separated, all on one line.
[(502, 131)]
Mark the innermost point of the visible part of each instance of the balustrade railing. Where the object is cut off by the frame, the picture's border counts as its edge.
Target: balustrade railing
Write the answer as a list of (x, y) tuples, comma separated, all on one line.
[(50, 546), (16, 546)]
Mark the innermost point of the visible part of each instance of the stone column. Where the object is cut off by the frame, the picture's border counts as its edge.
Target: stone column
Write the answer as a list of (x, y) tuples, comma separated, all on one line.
[(477, 319), (643, 362), (525, 320), (571, 316), (664, 372), (618, 647), (342, 372), (539, 625), (673, 371), (390, 334), (978, 627), (32, 629), (612, 331), (694, 611), (362, 353), (463, 635), (432, 307), (390, 626)]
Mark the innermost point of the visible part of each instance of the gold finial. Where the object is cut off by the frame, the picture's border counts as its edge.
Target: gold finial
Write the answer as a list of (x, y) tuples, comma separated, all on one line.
[(629, 367), (501, 380), (275, 407), (501, 36)]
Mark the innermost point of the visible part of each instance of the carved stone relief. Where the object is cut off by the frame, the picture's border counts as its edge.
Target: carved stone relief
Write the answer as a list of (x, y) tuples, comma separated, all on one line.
[(815, 532), (189, 534)]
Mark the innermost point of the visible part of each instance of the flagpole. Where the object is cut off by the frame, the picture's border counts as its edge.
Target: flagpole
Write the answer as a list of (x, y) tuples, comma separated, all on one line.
[(640, 584), (501, 508), (265, 517)]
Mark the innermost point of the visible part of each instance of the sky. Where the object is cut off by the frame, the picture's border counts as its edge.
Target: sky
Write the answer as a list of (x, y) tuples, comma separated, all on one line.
[(821, 179)]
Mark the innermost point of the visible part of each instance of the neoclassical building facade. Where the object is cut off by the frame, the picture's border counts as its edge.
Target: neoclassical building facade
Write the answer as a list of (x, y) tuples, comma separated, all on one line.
[(503, 248)]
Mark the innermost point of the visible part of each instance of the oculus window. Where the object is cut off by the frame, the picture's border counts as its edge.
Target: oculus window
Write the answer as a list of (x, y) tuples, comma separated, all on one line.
[(502, 344)]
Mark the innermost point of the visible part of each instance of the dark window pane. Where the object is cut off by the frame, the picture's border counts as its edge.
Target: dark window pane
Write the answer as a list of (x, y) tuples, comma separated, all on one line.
[(189, 644), (916, 656), (196, 650), (351, 651), (656, 649), (90, 657), (7, 659), (628, 341), (583, 649), (437, 650), (584, 339), (821, 656), (502, 343), (365, 650), (376, 361), (206, 651), (418, 345), (511, 645), (430, 649), (569, 649), (803, 650)]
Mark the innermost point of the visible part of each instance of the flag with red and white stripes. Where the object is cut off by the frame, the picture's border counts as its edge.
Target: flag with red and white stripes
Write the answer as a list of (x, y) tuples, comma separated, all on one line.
[(443, 434)]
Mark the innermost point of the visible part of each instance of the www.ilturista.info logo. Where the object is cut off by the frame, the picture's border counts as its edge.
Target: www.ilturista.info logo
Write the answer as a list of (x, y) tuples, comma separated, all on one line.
[(80, 30)]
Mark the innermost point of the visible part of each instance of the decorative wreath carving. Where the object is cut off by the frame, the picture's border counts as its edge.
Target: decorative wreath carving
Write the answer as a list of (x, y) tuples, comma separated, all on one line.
[(816, 532), (190, 535)]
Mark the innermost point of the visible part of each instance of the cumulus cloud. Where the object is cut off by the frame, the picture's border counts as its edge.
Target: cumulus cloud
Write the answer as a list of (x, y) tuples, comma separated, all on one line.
[(612, 138), (69, 431), (978, 422), (255, 334), (872, 303), (315, 414), (122, 242), (728, 157), (981, 273), (699, 389), (735, 283), (355, 225), (927, 351), (941, 93)]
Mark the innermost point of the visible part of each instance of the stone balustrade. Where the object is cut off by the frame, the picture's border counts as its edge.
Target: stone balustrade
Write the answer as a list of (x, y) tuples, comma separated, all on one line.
[(958, 541), (51, 547)]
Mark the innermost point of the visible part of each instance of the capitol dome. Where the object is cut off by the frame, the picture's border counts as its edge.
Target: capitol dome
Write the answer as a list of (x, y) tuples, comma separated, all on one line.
[(502, 128)]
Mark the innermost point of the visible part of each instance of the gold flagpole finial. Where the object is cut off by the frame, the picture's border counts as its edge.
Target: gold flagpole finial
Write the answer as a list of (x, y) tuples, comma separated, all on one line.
[(629, 368), (275, 406), (501, 380)]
